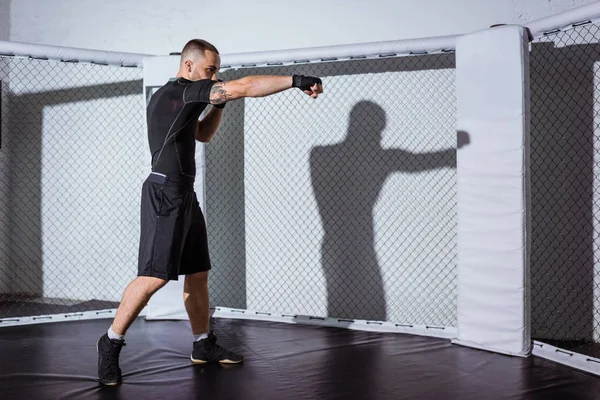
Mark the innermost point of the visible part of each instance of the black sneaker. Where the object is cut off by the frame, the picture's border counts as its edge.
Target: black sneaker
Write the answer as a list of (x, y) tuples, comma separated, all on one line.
[(207, 350), (108, 349)]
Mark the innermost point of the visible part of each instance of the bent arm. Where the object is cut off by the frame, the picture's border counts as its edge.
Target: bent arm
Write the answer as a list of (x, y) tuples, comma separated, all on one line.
[(207, 127), (249, 86)]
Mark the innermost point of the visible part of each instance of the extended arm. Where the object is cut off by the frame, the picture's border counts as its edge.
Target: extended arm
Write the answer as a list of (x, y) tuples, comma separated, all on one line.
[(250, 86), (406, 161), (263, 85)]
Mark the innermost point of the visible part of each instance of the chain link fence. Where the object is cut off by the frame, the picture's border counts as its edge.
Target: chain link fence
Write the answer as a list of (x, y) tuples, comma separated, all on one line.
[(71, 165), (344, 206), (565, 189)]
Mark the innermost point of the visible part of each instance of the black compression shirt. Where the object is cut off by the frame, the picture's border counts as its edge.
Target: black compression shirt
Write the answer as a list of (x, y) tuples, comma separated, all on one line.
[(172, 114)]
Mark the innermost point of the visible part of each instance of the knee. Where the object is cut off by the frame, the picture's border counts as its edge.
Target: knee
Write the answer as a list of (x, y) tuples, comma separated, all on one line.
[(200, 278), (150, 284)]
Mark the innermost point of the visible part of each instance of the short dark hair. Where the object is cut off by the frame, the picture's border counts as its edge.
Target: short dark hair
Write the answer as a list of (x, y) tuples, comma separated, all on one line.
[(196, 46)]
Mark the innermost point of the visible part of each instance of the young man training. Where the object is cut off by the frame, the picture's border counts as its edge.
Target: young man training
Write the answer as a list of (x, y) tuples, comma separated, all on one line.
[(173, 232)]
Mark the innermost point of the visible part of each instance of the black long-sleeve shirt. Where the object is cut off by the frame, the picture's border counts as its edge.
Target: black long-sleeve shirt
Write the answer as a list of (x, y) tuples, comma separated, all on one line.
[(172, 115)]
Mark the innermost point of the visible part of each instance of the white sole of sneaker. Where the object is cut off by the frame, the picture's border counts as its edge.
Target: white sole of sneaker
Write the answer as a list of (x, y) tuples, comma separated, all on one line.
[(194, 361)]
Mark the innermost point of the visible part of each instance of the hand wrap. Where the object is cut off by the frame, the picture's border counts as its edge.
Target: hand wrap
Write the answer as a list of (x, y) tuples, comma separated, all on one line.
[(305, 82)]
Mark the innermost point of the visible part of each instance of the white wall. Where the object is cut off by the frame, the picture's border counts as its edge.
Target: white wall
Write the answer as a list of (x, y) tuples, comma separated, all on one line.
[(336, 224), (160, 27), (346, 213), (77, 165)]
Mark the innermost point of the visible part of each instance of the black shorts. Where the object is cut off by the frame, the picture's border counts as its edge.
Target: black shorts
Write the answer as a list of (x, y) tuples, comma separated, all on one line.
[(173, 239)]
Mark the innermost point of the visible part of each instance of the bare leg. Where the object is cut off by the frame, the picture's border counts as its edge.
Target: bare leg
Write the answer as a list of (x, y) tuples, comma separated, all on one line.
[(195, 297), (135, 298), (197, 305)]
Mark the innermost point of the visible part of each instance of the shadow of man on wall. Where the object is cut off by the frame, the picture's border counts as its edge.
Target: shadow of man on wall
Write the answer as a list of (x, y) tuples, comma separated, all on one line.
[(347, 179)]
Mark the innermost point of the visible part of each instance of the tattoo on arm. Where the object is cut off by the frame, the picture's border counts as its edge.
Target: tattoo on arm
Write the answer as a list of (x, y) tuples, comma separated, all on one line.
[(218, 94)]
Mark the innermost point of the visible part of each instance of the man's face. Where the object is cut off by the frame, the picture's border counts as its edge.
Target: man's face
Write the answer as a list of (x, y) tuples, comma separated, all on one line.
[(205, 67)]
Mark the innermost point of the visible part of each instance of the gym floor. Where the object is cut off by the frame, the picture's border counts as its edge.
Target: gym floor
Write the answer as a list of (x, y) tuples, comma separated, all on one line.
[(283, 361)]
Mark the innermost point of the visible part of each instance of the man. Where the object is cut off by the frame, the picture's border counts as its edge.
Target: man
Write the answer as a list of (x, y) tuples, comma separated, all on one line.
[(173, 232)]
